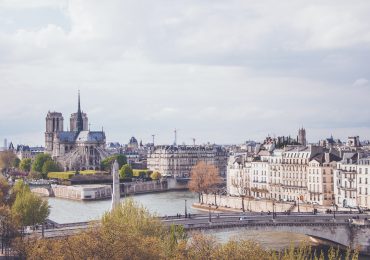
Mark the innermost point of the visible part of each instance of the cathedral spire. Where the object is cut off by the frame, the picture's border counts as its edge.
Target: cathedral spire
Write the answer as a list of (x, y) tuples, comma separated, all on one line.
[(79, 122)]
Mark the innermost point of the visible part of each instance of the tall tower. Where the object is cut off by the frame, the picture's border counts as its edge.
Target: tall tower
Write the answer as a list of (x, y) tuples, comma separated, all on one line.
[(302, 136), (115, 189), (175, 142), (80, 123), (54, 124)]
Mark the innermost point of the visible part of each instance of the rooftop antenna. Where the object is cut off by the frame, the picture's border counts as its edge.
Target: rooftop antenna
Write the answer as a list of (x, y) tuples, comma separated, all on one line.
[(193, 141), (153, 136)]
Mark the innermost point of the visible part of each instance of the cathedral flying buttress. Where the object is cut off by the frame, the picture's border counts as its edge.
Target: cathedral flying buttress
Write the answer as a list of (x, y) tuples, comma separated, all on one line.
[(76, 149)]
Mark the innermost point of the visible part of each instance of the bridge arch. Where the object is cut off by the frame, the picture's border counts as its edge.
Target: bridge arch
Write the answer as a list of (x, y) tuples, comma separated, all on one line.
[(342, 234)]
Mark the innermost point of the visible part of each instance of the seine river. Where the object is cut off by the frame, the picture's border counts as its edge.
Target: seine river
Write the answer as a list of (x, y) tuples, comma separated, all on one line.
[(166, 203)]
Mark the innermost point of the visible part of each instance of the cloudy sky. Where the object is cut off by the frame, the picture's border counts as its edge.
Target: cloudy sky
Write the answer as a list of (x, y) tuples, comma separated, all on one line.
[(219, 71)]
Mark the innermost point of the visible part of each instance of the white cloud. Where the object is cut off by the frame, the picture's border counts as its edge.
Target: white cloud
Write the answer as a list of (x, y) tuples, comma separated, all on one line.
[(361, 82), (21, 4), (220, 71)]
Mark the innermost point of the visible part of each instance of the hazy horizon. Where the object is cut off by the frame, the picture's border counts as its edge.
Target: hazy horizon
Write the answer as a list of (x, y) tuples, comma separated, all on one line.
[(219, 72)]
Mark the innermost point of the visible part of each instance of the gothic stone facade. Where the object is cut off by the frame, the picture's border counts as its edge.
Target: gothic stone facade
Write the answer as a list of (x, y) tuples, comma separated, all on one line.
[(77, 149)]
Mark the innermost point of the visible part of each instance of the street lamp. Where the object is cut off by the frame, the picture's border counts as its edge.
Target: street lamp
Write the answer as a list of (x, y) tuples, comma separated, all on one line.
[(210, 217), (273, 209), (298, 205), (186, 210), (334, 210)]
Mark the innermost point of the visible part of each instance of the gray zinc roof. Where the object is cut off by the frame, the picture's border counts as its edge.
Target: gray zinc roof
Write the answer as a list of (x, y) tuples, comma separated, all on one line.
[(66, 136), (87, 136)]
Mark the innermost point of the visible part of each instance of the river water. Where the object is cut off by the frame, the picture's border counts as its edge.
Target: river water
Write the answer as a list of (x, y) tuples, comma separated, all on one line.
[(171, 203), (166, 203)]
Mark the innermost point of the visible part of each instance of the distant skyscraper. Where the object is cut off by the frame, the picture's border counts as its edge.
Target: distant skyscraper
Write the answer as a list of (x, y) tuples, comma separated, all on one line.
[(302, 136)]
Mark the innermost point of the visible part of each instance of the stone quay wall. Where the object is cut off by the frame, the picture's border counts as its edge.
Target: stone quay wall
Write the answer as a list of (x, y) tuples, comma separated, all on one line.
[(250, 204), (143, 187)]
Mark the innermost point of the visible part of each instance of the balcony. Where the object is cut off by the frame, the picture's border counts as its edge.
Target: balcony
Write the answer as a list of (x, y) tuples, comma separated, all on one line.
[(348, 188)]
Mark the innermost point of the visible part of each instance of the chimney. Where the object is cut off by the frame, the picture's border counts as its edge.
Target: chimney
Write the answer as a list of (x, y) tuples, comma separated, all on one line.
[(327, 157)]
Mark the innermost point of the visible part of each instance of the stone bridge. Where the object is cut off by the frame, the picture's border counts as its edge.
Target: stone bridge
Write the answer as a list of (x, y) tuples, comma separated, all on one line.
[(42, 189), (353, 236), (342, 230)]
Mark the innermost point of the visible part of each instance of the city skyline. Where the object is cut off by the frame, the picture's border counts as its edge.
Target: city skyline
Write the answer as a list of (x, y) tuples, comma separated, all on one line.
[(219, 73)]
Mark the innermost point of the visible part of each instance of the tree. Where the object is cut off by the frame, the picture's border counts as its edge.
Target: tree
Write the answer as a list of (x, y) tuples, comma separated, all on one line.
[(9, 226), (49, 166), (202, 178), (241, 187), (19, 187), (16, 162), (155, 176), (25, 164), (106, 164), (126, 171), (4, 190), (7, 160), (131, 232), (39, 161), (30, 208)]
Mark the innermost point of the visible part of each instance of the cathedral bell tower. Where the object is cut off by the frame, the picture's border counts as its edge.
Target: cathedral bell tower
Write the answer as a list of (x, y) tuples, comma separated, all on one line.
[(301, 138), (54, 124)]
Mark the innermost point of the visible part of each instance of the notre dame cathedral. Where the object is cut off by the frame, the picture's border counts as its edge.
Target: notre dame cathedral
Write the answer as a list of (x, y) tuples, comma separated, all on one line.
[(77, 149)]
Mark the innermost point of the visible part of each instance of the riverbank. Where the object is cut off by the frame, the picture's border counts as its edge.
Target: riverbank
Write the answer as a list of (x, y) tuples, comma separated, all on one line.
[(235, 204), (215, 209), (90, 192)]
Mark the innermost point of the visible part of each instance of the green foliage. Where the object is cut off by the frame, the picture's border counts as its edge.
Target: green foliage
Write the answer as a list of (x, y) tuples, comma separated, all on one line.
[(155, 176), (130, 232), (141, 173), (39, 161), (106, 164), (7, 160), (68, 175), (4, 190), (49, 166), (126, 171), (60, 175), (16, 162), (20, 187), (25, 164), (30, 208)]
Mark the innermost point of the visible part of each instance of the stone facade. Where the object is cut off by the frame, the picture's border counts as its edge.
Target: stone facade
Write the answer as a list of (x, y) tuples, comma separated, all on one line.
[(321, 179), (352, 181), (78, 149), (284, 174), (178, 160)]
